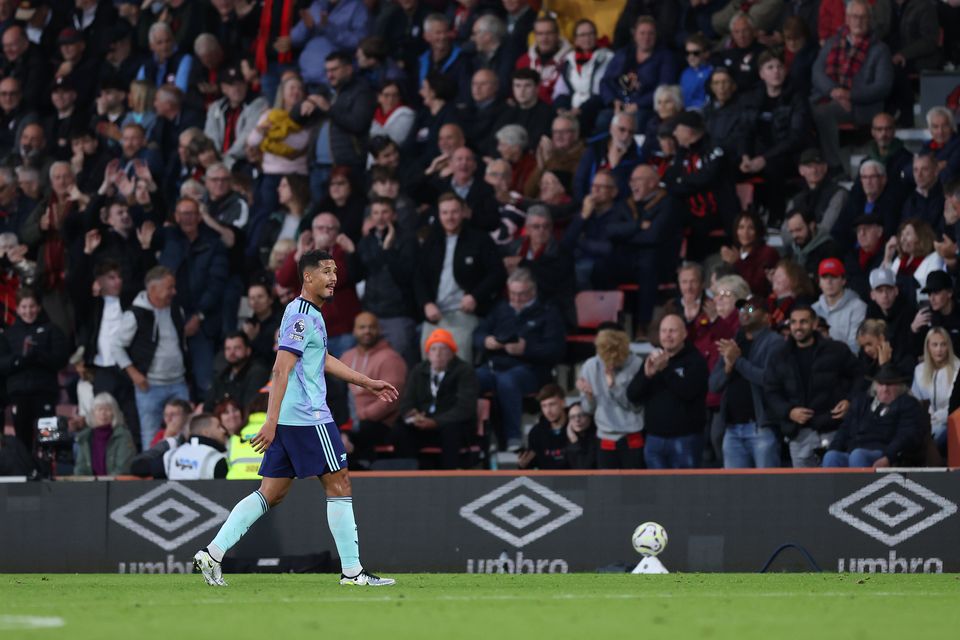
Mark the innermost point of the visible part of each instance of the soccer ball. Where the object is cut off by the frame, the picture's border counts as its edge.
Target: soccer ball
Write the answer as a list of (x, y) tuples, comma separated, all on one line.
[(649, 539)]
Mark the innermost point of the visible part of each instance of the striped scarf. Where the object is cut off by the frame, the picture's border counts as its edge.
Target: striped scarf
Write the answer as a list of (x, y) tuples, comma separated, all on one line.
[(845, 58)]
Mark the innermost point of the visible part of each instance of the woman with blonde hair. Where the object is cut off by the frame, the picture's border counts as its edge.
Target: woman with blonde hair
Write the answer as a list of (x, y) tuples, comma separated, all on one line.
[(933, 381), (105, 447), (282, 135), (603, 392)]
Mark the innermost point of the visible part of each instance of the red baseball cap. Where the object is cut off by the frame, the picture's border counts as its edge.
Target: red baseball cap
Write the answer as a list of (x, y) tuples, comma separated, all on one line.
[(831, 267)]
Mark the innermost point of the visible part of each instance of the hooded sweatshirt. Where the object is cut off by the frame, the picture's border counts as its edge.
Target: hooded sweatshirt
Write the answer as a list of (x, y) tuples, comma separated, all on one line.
[(844, 317), (167, 366), (613, 413)]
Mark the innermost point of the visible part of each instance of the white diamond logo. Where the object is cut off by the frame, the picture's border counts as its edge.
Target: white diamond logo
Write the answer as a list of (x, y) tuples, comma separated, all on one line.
[(146, 516), (878, 509), (913, 499), (534, 502), (505, 511)]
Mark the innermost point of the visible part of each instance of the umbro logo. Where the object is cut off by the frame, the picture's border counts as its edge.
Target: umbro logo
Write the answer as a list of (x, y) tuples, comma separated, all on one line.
[(892, 509), (521, 511)]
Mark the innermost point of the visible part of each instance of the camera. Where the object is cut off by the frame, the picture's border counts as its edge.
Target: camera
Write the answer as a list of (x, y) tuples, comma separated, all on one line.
[(52, 431), (507, 338)]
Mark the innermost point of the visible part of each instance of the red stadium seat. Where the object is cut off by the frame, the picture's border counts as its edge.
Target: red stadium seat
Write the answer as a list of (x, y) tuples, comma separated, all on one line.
[(953, 439)]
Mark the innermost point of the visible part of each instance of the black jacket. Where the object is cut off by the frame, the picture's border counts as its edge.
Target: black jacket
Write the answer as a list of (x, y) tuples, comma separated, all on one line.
[(887, 208), (478, 126), (481, 198), (549, 447), (898, 322), (858, 278), (928, 208), (456, 402), (388, 274), (537, 120), (143, 346), (780, 132), (896, 429), (725, 124), (703, 176), (540, 326), (556, 281), (833, 373), (31, 355), (477, 267), (89, 319), (242, 387), (657, 226), (350, 116), (674, 400)]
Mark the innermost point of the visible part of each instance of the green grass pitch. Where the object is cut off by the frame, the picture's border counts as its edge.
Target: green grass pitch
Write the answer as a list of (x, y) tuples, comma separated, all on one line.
[(492, 607)]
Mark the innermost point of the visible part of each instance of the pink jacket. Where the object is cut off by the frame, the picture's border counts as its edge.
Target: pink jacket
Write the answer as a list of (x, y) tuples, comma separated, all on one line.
[(381, 362)]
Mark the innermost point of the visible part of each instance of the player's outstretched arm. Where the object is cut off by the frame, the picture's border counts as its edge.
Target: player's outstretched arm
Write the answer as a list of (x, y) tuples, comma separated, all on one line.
[(282, 367), (381, 388)]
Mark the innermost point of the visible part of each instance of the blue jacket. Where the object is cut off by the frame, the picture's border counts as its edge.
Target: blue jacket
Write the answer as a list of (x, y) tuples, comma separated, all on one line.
[(897, 430), (591, 238), (593, 157), (765, 343), (540, 326), (346, 25), (660, 68)]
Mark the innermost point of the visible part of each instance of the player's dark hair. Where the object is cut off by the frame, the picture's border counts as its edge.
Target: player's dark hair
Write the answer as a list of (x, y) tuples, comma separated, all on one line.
[(311, 260)]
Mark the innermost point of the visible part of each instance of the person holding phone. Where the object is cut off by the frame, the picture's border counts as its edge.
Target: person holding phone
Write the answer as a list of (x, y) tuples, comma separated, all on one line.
[(521, 340), (940, 310)]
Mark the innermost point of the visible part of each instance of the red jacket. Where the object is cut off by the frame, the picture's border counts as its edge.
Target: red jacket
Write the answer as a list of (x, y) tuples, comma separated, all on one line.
[(706, 344), (754, 268)]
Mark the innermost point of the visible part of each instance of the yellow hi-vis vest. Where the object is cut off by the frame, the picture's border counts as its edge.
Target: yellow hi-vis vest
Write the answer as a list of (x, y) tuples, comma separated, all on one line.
[(243, 460)]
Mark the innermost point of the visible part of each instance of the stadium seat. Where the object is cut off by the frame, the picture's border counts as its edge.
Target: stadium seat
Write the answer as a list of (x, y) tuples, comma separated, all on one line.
[(67, 410), (953, 439), (745, 194), (593, 309)]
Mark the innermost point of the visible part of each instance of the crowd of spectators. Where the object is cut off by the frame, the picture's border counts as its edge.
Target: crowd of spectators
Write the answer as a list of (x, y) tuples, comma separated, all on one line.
[(472, 165)]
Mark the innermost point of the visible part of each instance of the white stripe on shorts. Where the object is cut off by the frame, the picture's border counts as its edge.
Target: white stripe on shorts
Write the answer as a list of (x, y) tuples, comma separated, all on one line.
[(329, 453)]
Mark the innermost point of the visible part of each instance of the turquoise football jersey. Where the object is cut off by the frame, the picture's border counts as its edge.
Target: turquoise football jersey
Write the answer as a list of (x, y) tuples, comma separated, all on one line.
[(304, 334)]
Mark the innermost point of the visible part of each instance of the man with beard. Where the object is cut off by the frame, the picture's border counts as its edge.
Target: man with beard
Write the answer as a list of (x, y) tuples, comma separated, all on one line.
[(373, 356), (241, 378), (808, 243), (807, 383)]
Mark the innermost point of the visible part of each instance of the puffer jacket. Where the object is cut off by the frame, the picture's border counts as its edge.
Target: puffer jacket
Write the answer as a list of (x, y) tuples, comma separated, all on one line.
[(833, 373)]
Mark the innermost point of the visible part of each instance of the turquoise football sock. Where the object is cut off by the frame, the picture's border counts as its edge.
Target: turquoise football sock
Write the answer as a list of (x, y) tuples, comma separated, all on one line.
[(244, 514), (343, 526)]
